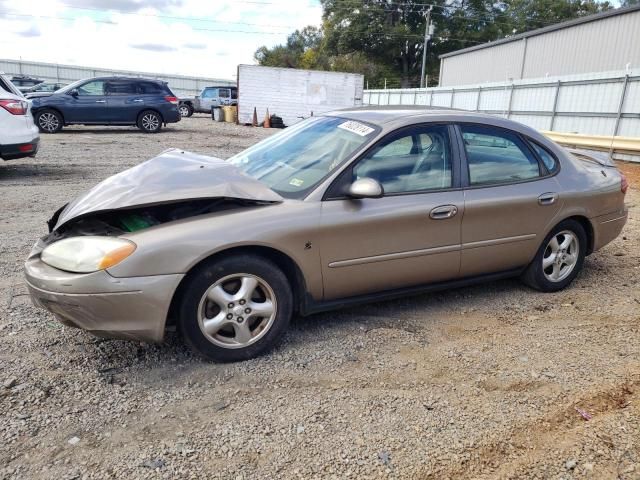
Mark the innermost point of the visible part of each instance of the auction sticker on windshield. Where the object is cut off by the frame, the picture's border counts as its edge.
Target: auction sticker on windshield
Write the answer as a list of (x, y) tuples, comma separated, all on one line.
[(356, 127)]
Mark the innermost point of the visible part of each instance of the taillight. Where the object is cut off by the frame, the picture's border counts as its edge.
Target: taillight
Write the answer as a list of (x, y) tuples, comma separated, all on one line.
[(14, 107), (173, 100), (624, 183)]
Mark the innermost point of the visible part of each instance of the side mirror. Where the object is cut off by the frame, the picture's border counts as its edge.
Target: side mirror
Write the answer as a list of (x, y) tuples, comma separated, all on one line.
[(74, 92), (365, 188)]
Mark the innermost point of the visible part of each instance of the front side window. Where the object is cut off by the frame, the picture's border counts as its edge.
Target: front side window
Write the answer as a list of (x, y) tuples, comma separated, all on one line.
[(418, 159), (209, 93), (497, 156), (92, 88), (295, 160)]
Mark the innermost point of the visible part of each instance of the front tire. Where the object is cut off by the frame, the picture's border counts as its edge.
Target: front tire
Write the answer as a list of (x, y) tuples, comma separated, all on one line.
[(49, 121), (559, 259), (149, 121), (235, 308)]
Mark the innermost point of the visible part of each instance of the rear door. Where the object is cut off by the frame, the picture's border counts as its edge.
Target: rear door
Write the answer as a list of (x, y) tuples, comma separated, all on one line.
[(89, 105), (224, 96), (510, 200), (124, 101), (411, 235)]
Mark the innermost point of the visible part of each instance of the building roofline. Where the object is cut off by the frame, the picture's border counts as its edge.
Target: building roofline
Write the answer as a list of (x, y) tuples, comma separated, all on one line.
[(550, 28)]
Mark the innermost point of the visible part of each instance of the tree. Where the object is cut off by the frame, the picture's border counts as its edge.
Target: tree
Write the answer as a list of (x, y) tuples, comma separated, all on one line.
[(383, 39)]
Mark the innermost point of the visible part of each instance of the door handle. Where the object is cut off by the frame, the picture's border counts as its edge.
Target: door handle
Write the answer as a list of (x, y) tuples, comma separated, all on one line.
[(547, 198), (138, 100), (101, 101), (443, 212)]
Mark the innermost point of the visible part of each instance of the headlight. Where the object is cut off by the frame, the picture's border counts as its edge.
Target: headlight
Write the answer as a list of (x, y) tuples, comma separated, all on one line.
[(87, 254)]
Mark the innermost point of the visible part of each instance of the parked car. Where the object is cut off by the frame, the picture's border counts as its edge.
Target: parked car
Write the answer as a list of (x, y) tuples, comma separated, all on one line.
[(25, 82), (147, 104), (19, 136), (348, 207), (209, 98), (43, 89)]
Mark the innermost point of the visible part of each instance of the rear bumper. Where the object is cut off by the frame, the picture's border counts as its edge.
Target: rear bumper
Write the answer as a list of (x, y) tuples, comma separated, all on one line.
[(20, 150), (608, 227), (172, 115), (133, 308)]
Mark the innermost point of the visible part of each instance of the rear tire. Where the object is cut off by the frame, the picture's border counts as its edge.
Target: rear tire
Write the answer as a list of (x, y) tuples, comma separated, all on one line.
[(186, 110), (559, 259), (235, 308), (149, 121), (49, 121)]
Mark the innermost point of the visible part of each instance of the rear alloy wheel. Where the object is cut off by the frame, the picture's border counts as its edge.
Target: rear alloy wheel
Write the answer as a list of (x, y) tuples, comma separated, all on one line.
[(559, 259), (185, 110), (49, 121), (149, 121), (235, 308)]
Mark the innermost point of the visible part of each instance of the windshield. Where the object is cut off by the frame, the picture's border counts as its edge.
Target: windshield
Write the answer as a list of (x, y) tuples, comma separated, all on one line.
[(294, 161), (71, 86)]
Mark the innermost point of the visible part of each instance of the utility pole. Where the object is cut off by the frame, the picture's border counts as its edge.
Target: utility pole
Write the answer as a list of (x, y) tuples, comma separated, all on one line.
[(428, 32)]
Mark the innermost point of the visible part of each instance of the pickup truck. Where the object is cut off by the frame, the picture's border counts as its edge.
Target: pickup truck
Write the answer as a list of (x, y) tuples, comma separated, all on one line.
[(210, 97)]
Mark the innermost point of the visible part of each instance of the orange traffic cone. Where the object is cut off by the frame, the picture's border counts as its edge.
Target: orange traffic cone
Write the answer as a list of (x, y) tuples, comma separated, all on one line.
[(267, 120), (254, 123)]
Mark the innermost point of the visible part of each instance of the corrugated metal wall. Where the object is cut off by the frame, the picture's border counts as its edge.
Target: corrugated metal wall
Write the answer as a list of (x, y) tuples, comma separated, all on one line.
[(179, 84), (589, 104), (602, 45)]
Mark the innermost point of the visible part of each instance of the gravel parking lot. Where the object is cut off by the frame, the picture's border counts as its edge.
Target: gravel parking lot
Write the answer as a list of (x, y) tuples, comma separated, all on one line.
[(492, 381)]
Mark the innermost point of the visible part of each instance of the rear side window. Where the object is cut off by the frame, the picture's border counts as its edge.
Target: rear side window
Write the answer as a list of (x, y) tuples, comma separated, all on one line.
[(497, 156), (150, 88), (121, 87), (549, 160)]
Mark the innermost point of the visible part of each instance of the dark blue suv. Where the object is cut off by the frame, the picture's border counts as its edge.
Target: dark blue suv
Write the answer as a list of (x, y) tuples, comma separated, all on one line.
[(147, 104)]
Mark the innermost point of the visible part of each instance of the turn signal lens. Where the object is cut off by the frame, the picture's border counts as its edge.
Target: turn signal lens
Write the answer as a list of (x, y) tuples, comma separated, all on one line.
[(87, 254)]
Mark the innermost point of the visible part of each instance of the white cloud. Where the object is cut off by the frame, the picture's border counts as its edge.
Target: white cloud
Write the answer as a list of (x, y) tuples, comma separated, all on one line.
[(189, 37)]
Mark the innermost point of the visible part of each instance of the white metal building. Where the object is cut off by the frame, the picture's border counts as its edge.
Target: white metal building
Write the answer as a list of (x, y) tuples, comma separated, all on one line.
[(608, 41), (181, 85)]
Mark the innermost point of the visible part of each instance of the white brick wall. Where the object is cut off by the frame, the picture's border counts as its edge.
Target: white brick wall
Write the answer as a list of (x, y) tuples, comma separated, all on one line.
[(292, 93)]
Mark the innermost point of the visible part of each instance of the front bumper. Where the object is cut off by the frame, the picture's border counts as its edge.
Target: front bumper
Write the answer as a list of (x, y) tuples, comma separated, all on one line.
[(20, 150), (132, 308)]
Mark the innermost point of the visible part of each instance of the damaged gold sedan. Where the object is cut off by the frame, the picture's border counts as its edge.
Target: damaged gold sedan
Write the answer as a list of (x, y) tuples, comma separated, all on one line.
[(348, 207)]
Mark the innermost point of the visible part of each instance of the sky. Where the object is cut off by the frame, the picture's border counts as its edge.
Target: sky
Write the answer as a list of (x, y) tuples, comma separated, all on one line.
[(207, 38)]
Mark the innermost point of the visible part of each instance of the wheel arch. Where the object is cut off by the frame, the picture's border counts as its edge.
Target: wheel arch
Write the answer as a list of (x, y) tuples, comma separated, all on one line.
[(288, 266), (585, 223)]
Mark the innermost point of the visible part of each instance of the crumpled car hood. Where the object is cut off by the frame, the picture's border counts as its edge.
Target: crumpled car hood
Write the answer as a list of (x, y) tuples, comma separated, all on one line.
[(174, 175)]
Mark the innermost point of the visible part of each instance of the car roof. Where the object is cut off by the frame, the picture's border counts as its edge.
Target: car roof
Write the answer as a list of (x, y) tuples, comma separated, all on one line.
[(389, 117), (116, 77)]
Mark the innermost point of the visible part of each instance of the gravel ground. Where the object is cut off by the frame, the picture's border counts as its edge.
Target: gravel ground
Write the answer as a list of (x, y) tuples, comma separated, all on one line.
[(481, 382)]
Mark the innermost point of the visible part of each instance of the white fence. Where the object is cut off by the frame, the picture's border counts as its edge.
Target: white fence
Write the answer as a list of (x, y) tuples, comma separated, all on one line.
[(594, 104), (180, 85)]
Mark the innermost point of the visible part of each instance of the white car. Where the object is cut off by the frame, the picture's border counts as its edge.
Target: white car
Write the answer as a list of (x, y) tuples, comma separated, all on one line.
[(19, 136)]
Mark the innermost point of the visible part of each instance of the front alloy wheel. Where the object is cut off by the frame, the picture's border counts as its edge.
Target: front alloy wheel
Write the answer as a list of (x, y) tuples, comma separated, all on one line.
[(49, 121), (234, 308), (237, 310)]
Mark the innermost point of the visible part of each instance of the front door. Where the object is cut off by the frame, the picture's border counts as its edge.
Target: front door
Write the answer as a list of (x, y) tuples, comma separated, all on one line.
[(411, 235), (510, 202), (89, 105)]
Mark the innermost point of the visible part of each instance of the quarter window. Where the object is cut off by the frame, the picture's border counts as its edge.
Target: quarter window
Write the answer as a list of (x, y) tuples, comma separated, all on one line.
[(416, 160), (92, 88), (497, 156), (549, 161)]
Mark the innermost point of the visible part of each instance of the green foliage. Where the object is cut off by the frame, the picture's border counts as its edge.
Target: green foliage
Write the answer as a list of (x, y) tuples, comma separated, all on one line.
[(383, 39)]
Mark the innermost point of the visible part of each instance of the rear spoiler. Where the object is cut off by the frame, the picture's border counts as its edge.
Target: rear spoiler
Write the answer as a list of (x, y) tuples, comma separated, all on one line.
[(601, 158)]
